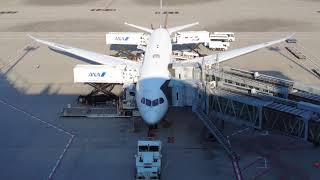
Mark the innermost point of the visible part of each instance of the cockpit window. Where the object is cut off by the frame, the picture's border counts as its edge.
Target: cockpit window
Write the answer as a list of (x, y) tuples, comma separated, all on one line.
[(148, 102), (161, 100), (157, 56), (143, 100), (155, 102)]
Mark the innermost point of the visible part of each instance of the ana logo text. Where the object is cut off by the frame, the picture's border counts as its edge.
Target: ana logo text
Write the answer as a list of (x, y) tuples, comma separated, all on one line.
[(97, 74), (122, 38)]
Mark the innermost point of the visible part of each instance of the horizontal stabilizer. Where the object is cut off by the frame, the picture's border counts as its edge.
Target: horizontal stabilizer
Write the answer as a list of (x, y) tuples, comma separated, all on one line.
[(179, 28), (139, 27)]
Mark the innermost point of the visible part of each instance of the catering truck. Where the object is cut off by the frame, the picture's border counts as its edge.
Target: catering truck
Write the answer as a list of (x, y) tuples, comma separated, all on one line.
[(190, 37), (127, 38)]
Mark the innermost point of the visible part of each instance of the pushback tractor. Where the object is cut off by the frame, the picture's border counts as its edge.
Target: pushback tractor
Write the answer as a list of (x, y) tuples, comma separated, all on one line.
[(148, 160)]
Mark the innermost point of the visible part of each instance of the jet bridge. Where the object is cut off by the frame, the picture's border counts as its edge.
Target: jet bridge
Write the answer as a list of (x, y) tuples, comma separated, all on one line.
[(243, 97), (264, 102)]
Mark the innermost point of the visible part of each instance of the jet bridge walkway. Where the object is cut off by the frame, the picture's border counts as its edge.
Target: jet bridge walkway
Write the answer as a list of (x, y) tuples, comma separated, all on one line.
[(259, 101), (247, 82), (305, 96), (262, 102), (264, 112)]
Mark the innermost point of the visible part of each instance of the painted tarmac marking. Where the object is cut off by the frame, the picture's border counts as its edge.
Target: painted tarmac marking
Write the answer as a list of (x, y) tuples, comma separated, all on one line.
[(240, 131), (58, 162), (60, 158)]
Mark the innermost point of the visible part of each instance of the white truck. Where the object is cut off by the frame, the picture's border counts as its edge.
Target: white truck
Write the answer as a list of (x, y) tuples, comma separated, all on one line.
[(230, 35), (148, 160), (190, 37), (218, 42)]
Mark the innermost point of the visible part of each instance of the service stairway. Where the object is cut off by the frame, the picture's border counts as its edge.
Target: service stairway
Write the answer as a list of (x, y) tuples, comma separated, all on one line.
[(217, 133), (222, 140)]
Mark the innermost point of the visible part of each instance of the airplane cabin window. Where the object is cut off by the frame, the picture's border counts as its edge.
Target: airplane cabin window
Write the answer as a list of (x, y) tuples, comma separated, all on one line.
[(148, 102), (161, 100), (155, 102), (143, 100)]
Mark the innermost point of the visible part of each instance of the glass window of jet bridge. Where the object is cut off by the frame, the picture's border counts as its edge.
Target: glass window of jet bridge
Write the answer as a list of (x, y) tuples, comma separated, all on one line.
[(157, 56), (155, 102), (148, 102)]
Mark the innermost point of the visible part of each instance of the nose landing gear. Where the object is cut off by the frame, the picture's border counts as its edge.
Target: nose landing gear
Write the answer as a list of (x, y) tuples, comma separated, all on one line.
[(151, 134), (166, 123)]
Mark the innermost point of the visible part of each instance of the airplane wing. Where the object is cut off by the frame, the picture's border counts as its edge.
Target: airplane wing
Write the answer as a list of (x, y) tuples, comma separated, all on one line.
[(223, 56), (89, 55)]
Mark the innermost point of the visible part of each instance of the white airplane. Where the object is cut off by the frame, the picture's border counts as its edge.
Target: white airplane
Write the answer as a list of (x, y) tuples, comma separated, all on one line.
[(151, 100)]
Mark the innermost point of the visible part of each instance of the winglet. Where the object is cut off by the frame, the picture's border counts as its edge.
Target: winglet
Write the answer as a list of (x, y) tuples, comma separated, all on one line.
[(290, 36), (178, 28), (139, 27), (32, 37), (37, 40)]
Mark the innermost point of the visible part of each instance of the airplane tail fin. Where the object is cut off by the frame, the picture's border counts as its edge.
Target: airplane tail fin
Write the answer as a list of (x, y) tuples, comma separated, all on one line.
[(139, 27), (161, 14), (178, 28), (165, 21)]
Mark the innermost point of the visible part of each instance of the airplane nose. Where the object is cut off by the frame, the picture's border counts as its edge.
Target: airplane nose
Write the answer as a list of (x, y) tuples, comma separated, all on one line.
[(151, 117)]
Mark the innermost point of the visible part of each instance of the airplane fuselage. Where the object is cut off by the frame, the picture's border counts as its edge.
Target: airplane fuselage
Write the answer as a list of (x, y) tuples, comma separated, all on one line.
[(151, 100)]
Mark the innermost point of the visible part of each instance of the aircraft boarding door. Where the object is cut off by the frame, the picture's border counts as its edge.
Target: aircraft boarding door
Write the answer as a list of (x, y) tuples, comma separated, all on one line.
[(178, 96)]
